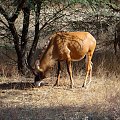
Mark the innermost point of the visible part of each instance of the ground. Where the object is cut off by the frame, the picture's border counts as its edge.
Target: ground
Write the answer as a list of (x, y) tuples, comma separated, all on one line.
[(22, 101)]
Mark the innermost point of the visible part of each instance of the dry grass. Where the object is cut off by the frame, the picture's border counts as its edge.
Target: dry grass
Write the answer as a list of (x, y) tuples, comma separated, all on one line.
[(20, 100), (100, 101)]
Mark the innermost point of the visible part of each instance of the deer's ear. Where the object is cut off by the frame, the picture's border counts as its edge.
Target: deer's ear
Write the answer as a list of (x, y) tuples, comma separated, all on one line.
[(37, 63)]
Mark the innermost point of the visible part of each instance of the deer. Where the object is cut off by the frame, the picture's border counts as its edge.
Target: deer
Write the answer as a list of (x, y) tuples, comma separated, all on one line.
[(66, 46)]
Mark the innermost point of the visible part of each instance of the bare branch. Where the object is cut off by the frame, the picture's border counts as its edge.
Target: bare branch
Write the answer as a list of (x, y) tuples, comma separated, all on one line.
[(15, 15), (2, 11), (54, 17), (19, 7), (4, 23)]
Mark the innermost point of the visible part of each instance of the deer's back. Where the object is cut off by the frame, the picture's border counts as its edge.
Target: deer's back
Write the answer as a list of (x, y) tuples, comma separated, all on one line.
[(73, 44)]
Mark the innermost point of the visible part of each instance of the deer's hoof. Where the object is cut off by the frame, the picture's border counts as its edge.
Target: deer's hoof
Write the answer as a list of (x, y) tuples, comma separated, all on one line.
[(71, 86), (83, 85), (56, 84)]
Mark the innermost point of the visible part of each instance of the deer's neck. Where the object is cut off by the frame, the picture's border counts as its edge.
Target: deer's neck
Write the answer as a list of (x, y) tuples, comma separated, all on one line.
[(47, 60)]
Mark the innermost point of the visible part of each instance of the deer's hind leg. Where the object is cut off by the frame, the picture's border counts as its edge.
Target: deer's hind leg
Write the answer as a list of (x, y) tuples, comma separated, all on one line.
[(88, 68)]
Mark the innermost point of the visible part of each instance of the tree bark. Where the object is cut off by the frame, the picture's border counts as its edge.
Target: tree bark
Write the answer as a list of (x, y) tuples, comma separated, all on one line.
[(24, 40), (37, 32)]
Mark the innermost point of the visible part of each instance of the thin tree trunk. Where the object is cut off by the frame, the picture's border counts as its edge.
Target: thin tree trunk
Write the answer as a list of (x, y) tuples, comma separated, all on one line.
[(37, 33), (16, 44), (22, 61)]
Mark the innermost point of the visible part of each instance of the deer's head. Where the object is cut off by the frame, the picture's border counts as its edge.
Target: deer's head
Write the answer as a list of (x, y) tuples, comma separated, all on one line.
[(39, 75)]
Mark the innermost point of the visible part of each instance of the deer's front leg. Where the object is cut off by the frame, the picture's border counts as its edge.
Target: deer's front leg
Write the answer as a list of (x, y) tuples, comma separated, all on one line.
[(69, 69), (58, 74)]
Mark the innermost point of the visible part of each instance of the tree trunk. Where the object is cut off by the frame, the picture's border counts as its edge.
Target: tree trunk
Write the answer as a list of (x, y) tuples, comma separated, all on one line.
[(37, 32), (22, 67), (20, 44), (20, 55)]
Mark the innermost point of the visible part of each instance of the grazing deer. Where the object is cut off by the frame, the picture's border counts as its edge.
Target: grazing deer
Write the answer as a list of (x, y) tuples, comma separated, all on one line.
[(67, 46)]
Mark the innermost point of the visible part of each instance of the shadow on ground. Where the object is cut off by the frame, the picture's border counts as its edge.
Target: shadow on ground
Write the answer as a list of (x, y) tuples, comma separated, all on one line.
[(16, 85), (57, 113)]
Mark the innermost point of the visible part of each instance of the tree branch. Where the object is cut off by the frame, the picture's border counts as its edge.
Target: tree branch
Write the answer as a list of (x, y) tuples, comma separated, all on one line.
[(15, 15), (2, 11), (4, 23), (54, 17), (19, 7)]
